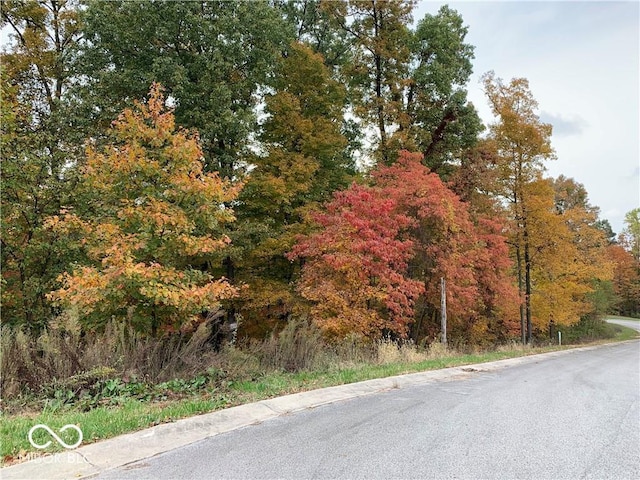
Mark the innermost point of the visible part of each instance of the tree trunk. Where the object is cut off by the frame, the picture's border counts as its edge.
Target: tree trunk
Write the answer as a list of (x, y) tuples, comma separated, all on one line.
[(523, 337), (527, 270)]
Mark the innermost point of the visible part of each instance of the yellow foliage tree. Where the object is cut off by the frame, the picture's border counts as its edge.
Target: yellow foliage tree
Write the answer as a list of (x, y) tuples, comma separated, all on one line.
[(568, 255), (522, 142), (153, 217)]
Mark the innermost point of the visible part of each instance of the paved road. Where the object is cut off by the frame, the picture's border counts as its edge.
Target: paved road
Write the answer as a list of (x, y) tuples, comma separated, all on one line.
[(573, 416), (635, 324)]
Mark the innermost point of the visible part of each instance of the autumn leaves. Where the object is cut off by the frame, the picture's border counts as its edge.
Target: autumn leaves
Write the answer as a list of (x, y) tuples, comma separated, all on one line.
[(375, 263), (152, 215), (369, 260), (282, 183)]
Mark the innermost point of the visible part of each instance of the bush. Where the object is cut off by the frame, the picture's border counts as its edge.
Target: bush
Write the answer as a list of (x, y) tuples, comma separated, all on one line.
[(586, 330)]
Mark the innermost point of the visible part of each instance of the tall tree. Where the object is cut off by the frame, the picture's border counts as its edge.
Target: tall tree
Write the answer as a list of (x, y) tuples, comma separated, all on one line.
[(438, 120), (313, 27), (304, 160), (152, 217), (215, 58), (522, 143), (409, 85), (592, 266), (381, 39), (567, 252), (39, 151)]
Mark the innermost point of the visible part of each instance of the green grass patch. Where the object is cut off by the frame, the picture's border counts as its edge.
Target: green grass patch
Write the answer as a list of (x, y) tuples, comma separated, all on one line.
[(621, 333), (97, 424)]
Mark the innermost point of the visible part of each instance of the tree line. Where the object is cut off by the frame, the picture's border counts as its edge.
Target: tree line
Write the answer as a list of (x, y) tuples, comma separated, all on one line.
[(172, 163)]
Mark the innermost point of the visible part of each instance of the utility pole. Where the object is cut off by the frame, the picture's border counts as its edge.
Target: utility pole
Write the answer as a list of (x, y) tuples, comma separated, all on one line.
[(443, 310)]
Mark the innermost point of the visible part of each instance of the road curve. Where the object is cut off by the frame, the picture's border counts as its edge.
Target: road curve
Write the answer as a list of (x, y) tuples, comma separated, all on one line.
[(635, 324), (572, 416)]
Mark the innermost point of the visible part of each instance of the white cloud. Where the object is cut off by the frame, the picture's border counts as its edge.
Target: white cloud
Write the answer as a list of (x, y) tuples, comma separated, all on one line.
[(562, 126)]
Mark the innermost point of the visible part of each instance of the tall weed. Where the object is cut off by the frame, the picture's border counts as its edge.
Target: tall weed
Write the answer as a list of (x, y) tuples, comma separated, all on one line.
[(63, 351), (298, 346)]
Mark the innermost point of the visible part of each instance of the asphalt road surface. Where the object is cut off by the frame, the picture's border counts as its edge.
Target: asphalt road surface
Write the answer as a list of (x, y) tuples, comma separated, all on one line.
[(574, 416), (635, 324)]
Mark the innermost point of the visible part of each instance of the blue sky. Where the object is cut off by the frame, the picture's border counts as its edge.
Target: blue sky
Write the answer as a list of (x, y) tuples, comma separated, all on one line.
[(582, 62)]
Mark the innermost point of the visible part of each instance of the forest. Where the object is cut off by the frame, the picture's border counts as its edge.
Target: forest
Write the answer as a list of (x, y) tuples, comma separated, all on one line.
[(245, 165)]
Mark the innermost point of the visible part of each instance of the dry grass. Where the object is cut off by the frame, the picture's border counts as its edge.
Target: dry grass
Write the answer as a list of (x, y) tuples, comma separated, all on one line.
[(514, 346), (31, 364), (391, 351), (298, 346), (63, 359)]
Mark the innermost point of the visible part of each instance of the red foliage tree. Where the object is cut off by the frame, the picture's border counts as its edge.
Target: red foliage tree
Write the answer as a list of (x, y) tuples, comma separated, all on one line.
[(376, 261), (356, 263), (473, 258)]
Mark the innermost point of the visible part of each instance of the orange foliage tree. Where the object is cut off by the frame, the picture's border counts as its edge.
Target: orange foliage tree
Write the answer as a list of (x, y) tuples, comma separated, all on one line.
[(153, 217), (567, 253), (522, 142), (626, 281)]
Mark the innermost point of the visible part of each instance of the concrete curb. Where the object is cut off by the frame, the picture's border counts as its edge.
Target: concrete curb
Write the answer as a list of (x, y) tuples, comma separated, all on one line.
[(92, 459)]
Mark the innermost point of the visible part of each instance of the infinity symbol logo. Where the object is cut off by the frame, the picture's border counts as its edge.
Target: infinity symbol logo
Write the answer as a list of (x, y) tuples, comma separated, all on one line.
[(53, 434)]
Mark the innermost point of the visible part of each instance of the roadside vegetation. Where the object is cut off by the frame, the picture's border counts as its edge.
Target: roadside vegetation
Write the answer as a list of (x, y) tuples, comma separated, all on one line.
[(123, 382)]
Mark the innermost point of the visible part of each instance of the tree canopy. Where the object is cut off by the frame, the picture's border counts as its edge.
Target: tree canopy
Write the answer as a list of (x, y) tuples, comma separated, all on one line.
[(166, 162)]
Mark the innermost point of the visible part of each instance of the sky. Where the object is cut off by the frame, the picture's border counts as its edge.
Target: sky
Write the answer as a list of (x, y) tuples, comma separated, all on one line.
[(582, 62)]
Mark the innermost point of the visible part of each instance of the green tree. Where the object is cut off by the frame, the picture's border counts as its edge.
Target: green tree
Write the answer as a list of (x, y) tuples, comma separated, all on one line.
[(630, 236), (152, 217), (438, 120), (313, 27), (409, 85), (381, 43), (215, 59)]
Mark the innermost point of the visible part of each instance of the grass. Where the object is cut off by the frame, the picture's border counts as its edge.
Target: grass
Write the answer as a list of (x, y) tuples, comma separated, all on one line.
[(118, 407), (621, 333), (625, 333), (132, 414), (96, 424)]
